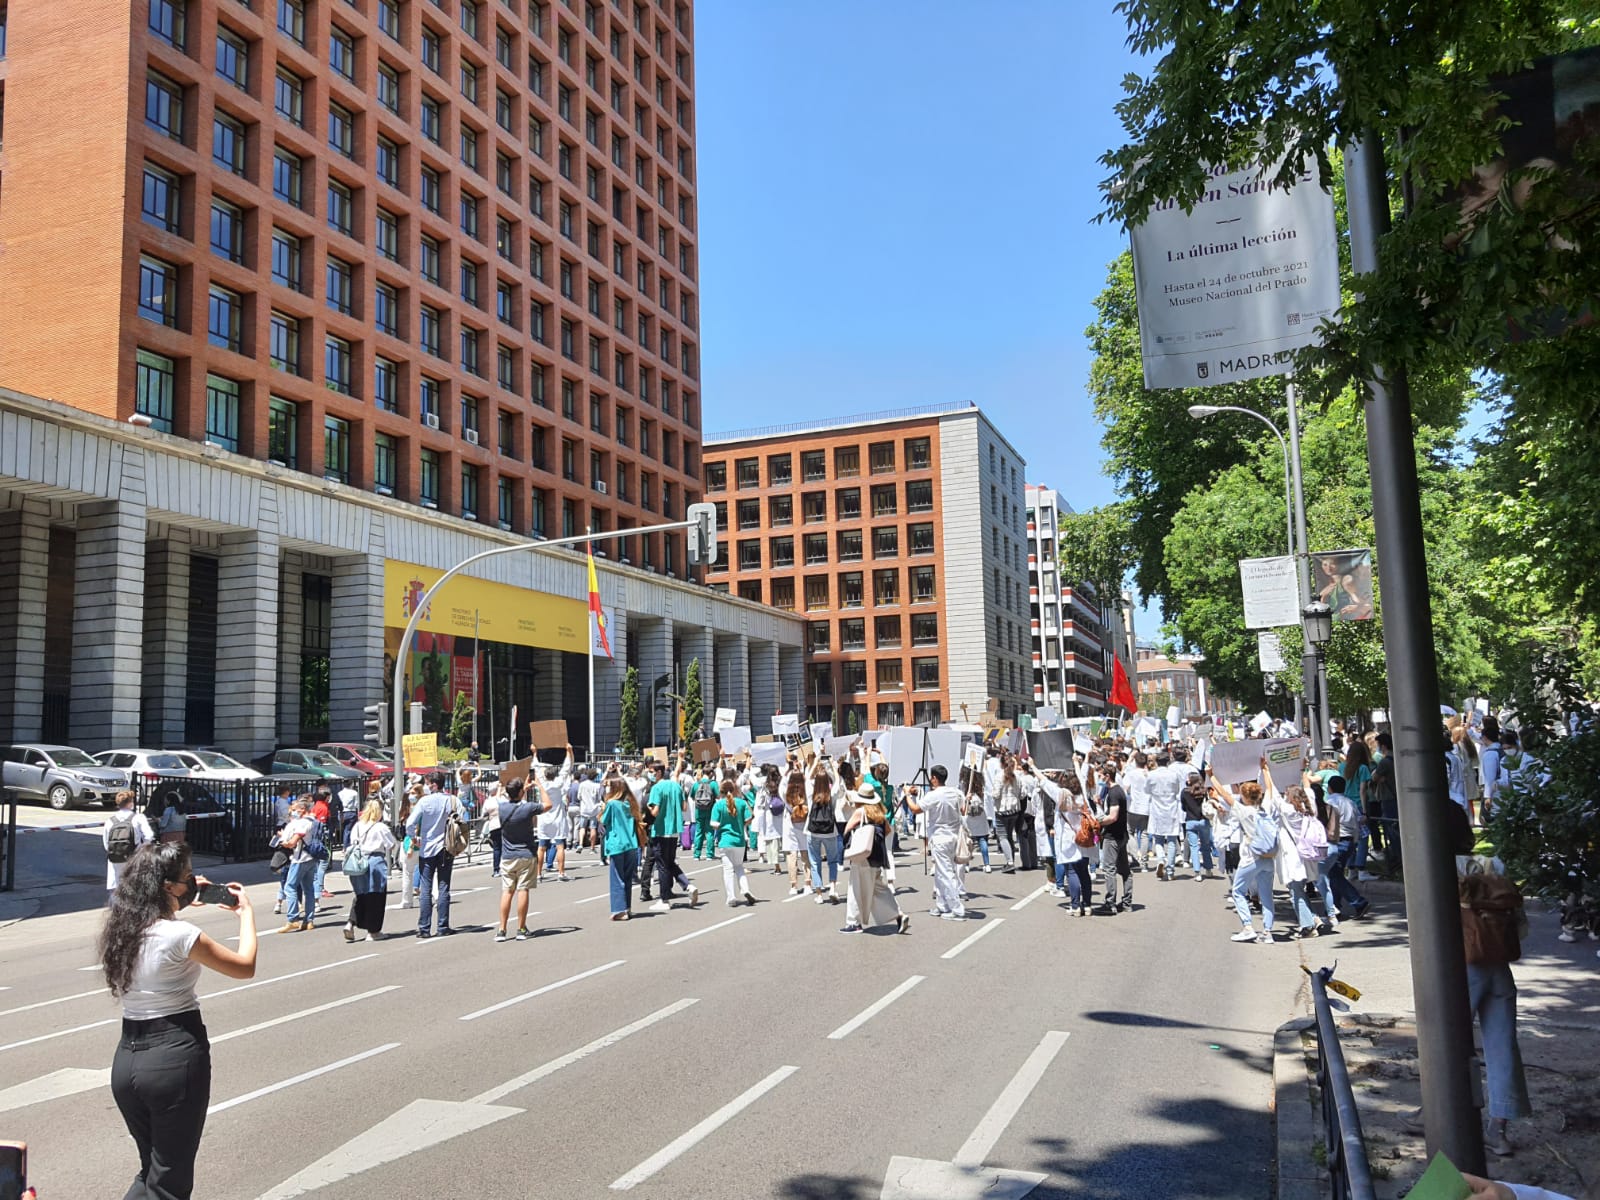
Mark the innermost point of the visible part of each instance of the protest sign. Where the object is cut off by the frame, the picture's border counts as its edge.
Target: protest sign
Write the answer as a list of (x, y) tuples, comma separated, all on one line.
[(545, 734), (724, 719), (734, 739)]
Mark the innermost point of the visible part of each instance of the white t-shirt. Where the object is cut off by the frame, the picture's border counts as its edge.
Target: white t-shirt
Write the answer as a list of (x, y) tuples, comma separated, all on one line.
[(141, 834), (1136, 782), (349, 799), (164, 976)]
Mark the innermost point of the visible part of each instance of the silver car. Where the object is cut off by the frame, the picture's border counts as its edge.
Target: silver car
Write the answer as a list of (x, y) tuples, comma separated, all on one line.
[(64, 776)]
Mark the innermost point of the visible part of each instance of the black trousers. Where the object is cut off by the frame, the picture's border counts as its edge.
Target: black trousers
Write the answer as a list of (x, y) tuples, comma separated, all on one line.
[(647, 863), (1009, 827), (667, 872), (161, 1080), (1029, 849)]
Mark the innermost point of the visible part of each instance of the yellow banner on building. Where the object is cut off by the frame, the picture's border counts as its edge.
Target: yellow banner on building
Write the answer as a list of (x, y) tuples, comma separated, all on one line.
[(500, 612)]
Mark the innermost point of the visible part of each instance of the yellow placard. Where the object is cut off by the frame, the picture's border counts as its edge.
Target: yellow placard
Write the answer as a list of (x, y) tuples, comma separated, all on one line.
[(497, 611), (419, 750)]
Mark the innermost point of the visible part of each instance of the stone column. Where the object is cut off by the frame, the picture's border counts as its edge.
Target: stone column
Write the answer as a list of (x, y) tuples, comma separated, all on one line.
[(653, 637), (733, 679), (356, 652), (24, 587), (792, 679), (764, 699), (166, 640), (291, 635), (247, 636), (108, 617)]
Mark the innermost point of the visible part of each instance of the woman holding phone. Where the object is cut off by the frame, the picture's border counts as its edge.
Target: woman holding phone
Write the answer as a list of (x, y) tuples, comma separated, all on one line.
[(161, 1074)]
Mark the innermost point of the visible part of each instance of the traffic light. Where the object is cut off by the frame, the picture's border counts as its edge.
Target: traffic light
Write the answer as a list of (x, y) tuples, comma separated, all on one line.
[(703, 535), (376, 722)]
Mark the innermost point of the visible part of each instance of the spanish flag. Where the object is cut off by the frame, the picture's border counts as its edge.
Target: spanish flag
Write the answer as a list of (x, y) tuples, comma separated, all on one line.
[(595, 610)]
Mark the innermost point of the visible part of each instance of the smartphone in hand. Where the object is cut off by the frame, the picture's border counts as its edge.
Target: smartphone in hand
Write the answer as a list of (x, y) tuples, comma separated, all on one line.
[(216, 893)]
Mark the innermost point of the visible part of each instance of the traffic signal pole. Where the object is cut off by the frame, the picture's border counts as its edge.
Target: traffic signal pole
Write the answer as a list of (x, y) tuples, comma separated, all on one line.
[(701, 520)]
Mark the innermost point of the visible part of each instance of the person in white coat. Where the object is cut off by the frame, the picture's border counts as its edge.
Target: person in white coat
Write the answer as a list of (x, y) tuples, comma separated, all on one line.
[(1164, 796), (126, 814), (1072, 864), (769, 819), (1136, 782), (940, 810)]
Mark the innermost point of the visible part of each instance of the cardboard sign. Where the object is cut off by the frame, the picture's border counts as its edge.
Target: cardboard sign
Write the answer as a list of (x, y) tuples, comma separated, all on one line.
[(734, 739), (1046, 717), (820, 732), (1051, 749), (545, 734), (974, 756), (706, 750), (659, 753), (516, 769), (419, 750), (1259, 722), (785, 724), (838, 747), (724, 719), (774, 754), (1238, 762)]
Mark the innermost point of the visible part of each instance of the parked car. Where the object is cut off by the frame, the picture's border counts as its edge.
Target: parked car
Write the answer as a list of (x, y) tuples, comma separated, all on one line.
[(63, 776), (164, 773), (311, 762), (213, 764), (368, 759), (151, 764)]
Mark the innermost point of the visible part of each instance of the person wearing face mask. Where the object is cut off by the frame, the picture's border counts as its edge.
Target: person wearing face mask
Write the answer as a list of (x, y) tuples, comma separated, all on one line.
[(161, 1073)]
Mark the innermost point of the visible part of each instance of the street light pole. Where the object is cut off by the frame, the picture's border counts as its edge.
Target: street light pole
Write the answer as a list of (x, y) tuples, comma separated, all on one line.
[(1319, 692)]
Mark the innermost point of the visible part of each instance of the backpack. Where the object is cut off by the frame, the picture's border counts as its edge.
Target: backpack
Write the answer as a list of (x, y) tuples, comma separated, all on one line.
[(1313, 841), (456, 833), (1491, 919), (313, 844), (121, 841), (1265, 842), (705, 796)]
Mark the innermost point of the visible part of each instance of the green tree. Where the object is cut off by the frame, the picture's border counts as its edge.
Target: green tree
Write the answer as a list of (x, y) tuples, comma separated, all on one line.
[(460, 735), (1156, 703), (1097, 547), (852, 723), (694, 706), (628, 738), (435, 671)]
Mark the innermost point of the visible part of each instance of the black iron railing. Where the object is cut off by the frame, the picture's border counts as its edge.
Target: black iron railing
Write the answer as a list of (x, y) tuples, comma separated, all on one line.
[(1341, 1123), (235, 818)]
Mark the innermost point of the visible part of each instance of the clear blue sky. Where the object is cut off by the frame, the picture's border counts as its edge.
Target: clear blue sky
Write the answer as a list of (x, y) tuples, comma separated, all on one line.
[(896, 202)]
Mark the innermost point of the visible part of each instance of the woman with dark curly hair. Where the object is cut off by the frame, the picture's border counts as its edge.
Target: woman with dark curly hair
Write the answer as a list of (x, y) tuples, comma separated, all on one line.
[(161, 1075)]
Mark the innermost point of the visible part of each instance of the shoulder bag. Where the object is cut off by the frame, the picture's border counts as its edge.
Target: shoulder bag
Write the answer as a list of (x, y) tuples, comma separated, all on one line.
[(457, 833), (860, 844)]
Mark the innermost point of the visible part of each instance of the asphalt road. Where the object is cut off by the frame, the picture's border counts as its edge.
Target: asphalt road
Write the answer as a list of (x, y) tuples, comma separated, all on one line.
[(766, 1055)]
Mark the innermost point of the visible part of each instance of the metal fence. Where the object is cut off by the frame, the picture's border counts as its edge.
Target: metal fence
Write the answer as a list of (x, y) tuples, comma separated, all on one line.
[(235, 819), (8, 839), (1341, 1122)]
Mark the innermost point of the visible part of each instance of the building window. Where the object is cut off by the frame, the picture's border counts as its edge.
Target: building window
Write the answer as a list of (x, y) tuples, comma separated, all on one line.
[(925, 674), (780, 552), (286, 176), (717, 477), (889, 676), (749, 514), (469, 146), (919, 454), (429, 392), (430, 119), (883, 500), (847, 504), (886, 587), (224, 316), (386, 385), (853, 634), (227, 143), (851, 591), (428, 479), (342, 53), (922, 585), (919, 496), (469, 351), (292, 20), (816, 548), (339, 285), (283, 432), (336, 365), (921, 538), (233, 58), (288, 97), (285, 259), (386, 309), (885, 542), (853, 677), (469, 491), (340, 207), (924, 629), (152, 389), (283, 343), (886, 633), (880, 457), (389, 18), (159, 202), (169, 20), (341, 130), (814, 507), (158, 291), (163, 106), (816, 593), (750, 554), (469, 214), (385, 459), (846, 462), (222, 412), (336, 449), (470, 272), (780, 510), (469, 81), (849, 545), (386, 235), (430, 260), (389, 88)]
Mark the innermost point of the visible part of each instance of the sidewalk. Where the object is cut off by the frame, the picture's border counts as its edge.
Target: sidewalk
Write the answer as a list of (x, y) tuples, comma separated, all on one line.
[(1559, 1032)]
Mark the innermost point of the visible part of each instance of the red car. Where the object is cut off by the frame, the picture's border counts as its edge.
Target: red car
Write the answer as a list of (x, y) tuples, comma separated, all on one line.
[(360, 756)]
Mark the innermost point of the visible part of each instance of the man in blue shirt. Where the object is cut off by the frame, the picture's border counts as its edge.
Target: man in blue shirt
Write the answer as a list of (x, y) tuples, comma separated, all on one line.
[(427, 825), (519, 839)]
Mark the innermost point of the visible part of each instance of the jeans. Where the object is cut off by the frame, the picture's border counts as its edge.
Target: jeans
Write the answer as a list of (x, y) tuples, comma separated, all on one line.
[(983, 847), (435, 867), (1008, 830), (1114, 865), (823, 846), (1076, 876), (1492, 992), (346, 823), (1345, 893), (161, 1081), (1324, 889), (624, 866), (1300, 893), (705, 837), (496, 842), (1200, 851), (667, 872), (1139, 833), (300, 882), (1257, 878), (1167, 848), (322, 875)]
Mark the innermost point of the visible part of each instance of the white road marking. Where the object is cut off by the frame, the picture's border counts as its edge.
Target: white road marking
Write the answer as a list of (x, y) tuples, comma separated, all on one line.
[(549, 987), (33, 1041), (987, 927), (709, 928), (1030, 897), (592, 899), (700, 1132), (302, 1012), (582, 1052), (1009, 1102), (91, 967), (300, 1078), (873, 1009), (245, 987), (68, 1081), (796, 896), (48, 1003)]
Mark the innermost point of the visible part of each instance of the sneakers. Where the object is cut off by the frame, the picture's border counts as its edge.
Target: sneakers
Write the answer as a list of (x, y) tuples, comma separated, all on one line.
[(821, 897), (950, 916), (1566, 935), (1244, 935), (277, 907), (500, 935), (349, 933), (661, 906), (1496, 1142), (1366, 877), (293, 927), (749, 898), (563, 878), (850, 929), (903, 923), (694, 895), (1264, 939), (987, 869), (1199, 877), (523, 934)]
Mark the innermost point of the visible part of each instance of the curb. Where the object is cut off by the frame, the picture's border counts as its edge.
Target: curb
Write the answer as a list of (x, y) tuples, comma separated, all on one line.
[(1297, 1116)]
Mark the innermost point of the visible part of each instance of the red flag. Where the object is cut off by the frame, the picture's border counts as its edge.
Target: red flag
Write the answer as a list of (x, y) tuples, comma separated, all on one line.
[(1121, 690), (595, 610)]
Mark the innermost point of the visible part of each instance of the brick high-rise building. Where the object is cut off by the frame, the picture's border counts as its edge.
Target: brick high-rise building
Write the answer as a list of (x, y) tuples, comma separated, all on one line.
[(900, 539), (439, 249), (310, 300)]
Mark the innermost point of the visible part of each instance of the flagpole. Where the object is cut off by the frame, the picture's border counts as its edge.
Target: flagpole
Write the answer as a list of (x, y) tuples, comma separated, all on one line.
[(477, 649), (589, 756)]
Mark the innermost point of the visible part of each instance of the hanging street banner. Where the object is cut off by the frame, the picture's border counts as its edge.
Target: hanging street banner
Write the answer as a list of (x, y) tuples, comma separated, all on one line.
[(1342, 579), (1230, 290), (1270, 651), (1271, 592)]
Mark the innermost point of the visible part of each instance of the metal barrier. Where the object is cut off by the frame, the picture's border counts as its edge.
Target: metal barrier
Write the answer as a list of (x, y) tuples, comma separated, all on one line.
[(1341, 1122), (235, 818), (8, 839)]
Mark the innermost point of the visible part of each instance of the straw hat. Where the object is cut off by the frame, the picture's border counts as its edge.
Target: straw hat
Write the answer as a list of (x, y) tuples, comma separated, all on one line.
[(865, 794)]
